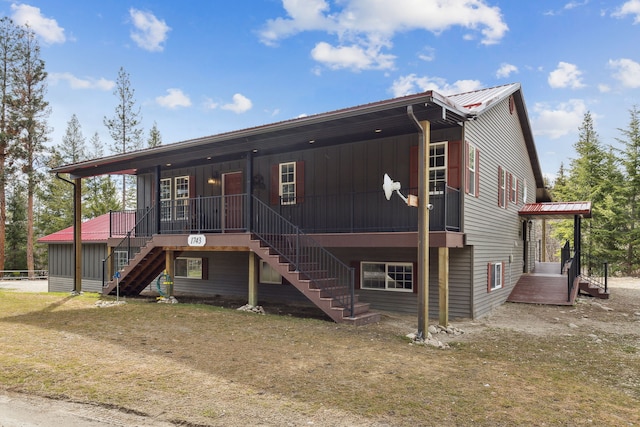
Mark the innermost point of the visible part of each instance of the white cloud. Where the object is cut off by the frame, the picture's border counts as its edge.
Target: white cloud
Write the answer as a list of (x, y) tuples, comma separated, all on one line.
[(352, 57), (240, 104), (427, 54), (149, 32), (626, 71), (78, 83), (412, 83), (566, 75), (603, 88), (47, 28), (175, 98), (631, 7), (368, 26), (210, 104), (505, 70), (558, 121)]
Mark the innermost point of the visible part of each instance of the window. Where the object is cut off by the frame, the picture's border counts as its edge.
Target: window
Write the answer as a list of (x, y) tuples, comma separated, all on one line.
[(387, 276), (165, 199), (288, 183), (437, 167), (190, 268), (268, 274), (513, 193), (502, 187), (472, 170), (524, 191), (121, 259), (495, 275), (182, 196)]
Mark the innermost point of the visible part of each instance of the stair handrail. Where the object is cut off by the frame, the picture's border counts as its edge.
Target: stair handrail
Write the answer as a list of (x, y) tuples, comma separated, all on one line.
[(299, 249), (143, 234), (572, 274)]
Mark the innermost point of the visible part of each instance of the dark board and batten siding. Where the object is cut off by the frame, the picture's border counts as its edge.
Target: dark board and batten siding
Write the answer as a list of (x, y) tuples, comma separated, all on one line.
[(495, 233), (61, 267)]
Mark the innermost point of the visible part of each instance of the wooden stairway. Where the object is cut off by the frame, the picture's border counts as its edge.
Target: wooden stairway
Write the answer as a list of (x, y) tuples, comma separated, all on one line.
[(316, 284), (592, 289), (140, 272)]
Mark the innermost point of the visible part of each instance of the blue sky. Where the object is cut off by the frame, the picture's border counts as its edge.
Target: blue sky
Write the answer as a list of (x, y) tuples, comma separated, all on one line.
[(203, 67)]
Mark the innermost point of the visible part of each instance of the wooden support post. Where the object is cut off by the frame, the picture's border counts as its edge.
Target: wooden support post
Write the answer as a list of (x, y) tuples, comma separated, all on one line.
[(543, 249), (423, 229), (77, 234), (443, 285), (168, 268), (253, 280)]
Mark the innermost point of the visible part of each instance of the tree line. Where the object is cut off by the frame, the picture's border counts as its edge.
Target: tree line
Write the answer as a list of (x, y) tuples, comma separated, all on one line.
[(33, 202), (608, 176)]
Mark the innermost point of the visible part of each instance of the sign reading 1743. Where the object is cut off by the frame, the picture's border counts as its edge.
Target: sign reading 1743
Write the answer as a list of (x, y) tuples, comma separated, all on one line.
[(197, 240)]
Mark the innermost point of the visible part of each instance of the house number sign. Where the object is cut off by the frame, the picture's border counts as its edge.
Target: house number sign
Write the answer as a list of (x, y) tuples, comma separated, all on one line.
[(197, 240)]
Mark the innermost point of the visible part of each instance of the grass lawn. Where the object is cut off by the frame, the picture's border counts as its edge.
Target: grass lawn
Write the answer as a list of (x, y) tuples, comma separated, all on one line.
[(198, 365)]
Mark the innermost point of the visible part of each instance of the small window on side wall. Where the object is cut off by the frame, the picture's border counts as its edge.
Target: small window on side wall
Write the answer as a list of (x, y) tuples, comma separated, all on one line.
[(189, 268), (472, 170), (287, 183), (495, 276)]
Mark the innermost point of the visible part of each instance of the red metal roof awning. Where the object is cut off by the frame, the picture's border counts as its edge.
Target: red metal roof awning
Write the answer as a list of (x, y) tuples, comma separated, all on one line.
[(556, 210)]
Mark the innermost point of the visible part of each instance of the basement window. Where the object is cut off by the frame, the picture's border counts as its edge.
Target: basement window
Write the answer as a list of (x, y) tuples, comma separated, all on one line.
[(387, 276), (189, 268), (495, 275), (268, 274)]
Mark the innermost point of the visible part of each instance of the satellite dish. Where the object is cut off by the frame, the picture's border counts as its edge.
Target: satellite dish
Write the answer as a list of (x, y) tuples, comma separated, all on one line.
[(389, 186)]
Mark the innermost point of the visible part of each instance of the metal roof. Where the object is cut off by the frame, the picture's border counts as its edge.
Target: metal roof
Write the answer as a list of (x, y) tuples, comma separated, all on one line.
[(93, 230), (479, 100), (556, 210)]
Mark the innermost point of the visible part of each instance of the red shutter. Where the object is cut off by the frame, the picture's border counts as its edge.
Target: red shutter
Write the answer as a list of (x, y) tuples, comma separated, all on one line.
[(275, 184), (500, 192), (453, 162), (466, 167), (489, 271), (413, 169), (300, 182), (477, 172)]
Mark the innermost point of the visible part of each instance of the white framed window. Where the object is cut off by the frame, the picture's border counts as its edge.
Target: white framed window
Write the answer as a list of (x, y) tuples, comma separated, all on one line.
[(437, 167), (513, 191), (386, 276), (502, 187), (182, 197), (524, 191), (268, 274), (495, 276), (472, 170), (120, 260), (165, 199), (189, 268), (287, 190)]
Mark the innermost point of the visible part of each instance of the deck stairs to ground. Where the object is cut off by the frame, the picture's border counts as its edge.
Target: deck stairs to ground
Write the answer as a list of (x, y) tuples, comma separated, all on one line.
[(143, 269), (316, 283), (589, 287)]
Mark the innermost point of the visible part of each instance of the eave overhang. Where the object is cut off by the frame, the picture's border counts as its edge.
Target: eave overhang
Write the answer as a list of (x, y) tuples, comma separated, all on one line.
[(367, 122), (556, 210)]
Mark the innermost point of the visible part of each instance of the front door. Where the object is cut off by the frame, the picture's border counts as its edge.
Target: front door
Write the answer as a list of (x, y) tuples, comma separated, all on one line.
[(233, 200)]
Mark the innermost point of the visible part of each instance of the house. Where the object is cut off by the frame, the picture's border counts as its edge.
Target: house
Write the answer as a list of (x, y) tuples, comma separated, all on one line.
[(295, 210)]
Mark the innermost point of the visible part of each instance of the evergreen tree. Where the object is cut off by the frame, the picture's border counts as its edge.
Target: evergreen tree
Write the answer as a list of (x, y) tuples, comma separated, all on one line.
[(101, 192), (55, 200), (73, 142), (16, 229), (629, 185), (155, 138), (124, 126), (29, 111), (10, 35)]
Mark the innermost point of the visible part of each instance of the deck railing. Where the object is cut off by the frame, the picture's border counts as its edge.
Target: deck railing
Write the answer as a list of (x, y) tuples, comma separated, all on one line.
[(310, 259)]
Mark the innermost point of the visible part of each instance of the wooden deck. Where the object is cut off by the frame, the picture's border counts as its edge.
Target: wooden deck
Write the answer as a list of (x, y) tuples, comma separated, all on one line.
[(546, 285)]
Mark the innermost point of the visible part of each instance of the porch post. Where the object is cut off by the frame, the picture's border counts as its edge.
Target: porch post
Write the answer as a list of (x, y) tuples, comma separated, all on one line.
[(543, 249), (157, 197), (423, 229), (77, 234), (253, 280), (168, 268), (443, 285), (249, 191)]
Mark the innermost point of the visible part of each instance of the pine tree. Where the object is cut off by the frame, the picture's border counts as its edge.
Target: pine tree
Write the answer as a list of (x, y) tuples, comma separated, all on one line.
[(55, 199), (73, 142), (124, 126), (629, 185), (10, 35), (101, 192), (29, 111), (155, 138), (16, 229)]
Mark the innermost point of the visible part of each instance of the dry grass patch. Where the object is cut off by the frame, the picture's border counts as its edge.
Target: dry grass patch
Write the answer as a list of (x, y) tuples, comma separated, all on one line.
[(203, 365)]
